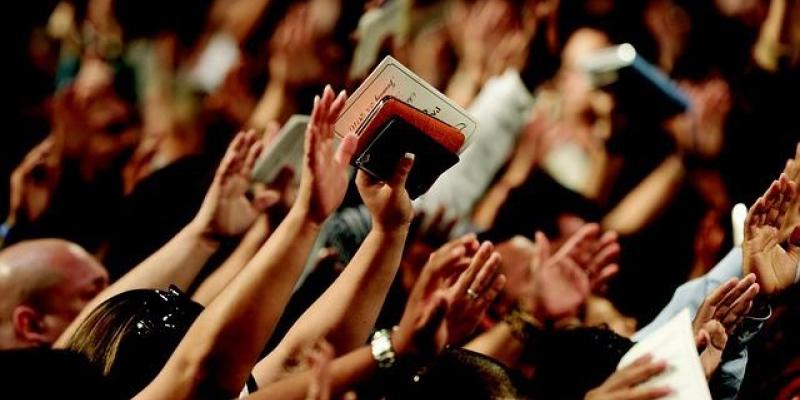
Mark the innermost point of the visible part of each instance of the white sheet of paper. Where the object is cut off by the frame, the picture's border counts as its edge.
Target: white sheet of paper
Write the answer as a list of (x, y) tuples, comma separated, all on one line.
[(673, 343), (390, 78), (286, 151)]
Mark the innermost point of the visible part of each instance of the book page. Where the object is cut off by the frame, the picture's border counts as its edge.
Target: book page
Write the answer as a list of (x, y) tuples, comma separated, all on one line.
[(390, 78), (287, 150), (673, 343)]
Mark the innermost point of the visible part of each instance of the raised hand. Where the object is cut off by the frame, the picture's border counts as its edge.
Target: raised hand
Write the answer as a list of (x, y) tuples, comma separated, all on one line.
[(792, 220), (388, 202), (473, 293), (226, 209), (34, 181), (774, 261), (727, 304), (324, 178), (623, 384), (563, 281)]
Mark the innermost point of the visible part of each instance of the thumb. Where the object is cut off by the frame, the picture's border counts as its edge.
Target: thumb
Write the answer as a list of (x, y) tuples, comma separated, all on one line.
[(437, 309), (265, 198), (402, 170), (346, 149)]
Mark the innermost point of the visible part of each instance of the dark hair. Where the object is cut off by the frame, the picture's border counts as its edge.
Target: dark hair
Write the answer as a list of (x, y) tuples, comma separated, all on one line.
[(571, 362), (130, 336), (461, 374)]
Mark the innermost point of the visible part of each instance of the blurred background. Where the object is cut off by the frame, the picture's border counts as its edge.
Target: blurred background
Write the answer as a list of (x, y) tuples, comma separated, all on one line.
[(118, 111)]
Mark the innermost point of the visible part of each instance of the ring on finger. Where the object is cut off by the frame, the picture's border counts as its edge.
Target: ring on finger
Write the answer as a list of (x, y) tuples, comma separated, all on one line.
[(471, 294)]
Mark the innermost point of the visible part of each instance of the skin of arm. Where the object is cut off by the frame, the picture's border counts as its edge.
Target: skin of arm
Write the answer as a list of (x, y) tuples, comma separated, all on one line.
[(647, 199), (225, 211), (243, 253), (347, 310), (218, 352)]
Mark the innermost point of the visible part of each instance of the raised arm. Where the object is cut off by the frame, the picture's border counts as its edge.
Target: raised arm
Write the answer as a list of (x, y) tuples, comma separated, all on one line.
[(346, 312), (215, 357), (226, 211)]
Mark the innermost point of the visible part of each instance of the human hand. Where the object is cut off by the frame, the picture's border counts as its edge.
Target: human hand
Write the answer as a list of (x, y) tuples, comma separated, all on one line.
[(727, 304), (700, 131), (473, 292), (562, 282), (324, 178), (293, 60), (33, 182), (226, 209), (792, 219), (773, 261), (711, 340), (388, 202), (319, 359), (623, 384)]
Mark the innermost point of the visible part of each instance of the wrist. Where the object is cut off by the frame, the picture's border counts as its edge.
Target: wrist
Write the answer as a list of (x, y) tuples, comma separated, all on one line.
[(205, 236), (302, 215), (392, 229)]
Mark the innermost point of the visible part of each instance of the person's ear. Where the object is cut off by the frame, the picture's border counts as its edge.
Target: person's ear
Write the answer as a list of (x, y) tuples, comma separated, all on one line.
[(29, 325)]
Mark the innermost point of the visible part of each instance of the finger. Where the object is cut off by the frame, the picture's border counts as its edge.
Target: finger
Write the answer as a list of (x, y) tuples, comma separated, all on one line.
[(265, 199), (495, 289), (641, 373), (337, 106), (401, 171), (586, 233), (542, 250), (730, 298), (604, 257), (618, 379), (601, 280), (739, 308), (771, 199), (316, 113), (486, 274), (719, 293), (646, 393), (346, 150), (229, 156), (480, 258), (252, 156)]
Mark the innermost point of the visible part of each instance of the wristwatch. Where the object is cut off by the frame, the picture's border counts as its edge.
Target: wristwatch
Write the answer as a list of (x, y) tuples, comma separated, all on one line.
[(382, 349)]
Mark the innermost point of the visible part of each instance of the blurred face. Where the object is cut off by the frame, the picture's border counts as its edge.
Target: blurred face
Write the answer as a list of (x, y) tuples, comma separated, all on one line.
[(573, 82), (83, 278)]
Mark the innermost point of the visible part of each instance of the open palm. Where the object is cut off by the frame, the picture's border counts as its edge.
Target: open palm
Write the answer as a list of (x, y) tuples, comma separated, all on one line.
[(775, 266), (226, 209), (325, 168)]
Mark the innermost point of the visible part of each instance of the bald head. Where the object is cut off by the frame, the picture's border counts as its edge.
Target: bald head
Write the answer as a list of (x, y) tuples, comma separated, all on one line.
[(45, 283)]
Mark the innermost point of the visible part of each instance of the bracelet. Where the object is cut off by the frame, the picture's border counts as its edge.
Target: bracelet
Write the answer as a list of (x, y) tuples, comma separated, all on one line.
[(523, 325), (382, 349)]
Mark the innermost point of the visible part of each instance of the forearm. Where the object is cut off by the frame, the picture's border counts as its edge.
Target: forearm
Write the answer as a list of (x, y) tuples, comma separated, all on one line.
[(274, 105), (243, 253), (178, 262), (346, 371), (346, 312), (223, 344), (645, 201)]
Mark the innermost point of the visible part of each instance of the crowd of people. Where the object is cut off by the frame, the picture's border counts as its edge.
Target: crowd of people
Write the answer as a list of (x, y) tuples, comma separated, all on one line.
[(139, 258)]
